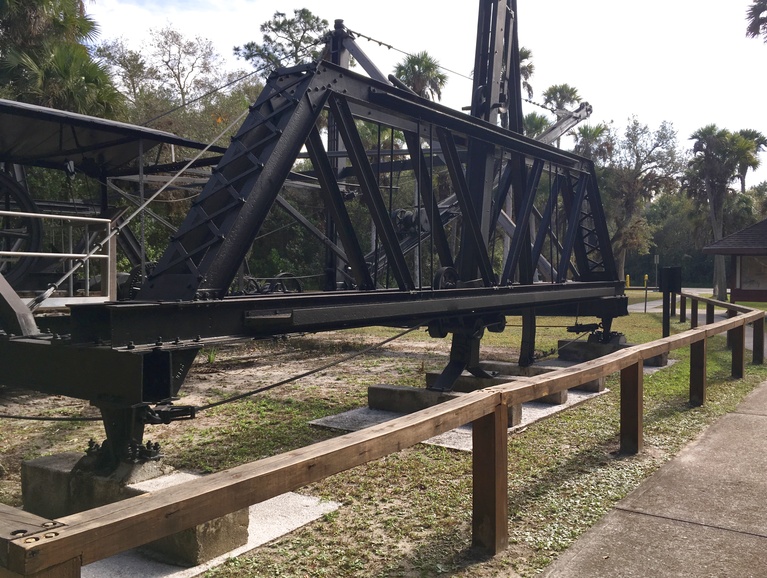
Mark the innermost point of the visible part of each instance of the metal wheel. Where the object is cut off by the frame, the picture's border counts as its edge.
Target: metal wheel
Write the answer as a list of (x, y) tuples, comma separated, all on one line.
[(17, 233), (445, 278), (283, 283)]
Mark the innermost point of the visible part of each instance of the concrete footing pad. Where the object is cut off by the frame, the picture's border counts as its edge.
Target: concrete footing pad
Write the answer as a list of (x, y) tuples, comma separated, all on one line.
[(54, 488), (267, 521), (459, 438), (59, 485)]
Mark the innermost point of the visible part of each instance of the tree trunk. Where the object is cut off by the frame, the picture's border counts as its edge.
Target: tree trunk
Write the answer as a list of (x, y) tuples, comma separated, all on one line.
[(620, 263), (716, 217), (720, 278)]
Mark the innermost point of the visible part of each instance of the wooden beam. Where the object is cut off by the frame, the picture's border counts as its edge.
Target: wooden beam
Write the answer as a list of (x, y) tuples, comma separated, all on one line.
[(758, 341), (723, 304), (738, 340), (698, 380), (17, 524), (113, 528), (490, 524), (631, 436), (673, 304), (682, 308), (68, 569), (709, 313), (730, 315), (694, 314)]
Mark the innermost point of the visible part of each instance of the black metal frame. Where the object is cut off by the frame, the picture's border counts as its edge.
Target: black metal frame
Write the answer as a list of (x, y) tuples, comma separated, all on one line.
[(183, 303)]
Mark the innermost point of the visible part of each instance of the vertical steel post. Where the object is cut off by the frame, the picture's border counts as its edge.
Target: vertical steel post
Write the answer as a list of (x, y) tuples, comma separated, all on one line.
[(143, 216), (338, 55)]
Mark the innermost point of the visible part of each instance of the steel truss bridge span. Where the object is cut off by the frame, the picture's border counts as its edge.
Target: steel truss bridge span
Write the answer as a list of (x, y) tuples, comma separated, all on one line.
[(444, 271)]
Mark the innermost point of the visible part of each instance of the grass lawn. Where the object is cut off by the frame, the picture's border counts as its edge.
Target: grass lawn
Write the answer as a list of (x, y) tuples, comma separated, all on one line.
[(409, 514)]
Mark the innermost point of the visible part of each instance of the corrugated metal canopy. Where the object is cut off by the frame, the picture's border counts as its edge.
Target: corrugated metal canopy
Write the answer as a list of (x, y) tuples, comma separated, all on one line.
[(46, 137)]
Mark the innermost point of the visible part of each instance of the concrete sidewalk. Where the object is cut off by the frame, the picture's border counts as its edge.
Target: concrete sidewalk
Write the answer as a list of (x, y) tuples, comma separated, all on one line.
[(703, 514)]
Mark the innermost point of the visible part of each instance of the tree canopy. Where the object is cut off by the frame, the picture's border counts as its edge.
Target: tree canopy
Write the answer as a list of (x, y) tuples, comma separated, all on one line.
[(44, 58), (719, 159), (560, 96), (286, 41), (422, 73), (756, 17), (642, 164)]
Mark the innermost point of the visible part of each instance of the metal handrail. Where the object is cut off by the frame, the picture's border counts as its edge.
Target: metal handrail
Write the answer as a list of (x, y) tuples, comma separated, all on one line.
[(72, 218), (109, 287)]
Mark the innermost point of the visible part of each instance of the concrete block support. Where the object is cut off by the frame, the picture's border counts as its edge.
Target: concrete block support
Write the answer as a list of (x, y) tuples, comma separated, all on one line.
[(403, 399), (579, 352), (56, 486)]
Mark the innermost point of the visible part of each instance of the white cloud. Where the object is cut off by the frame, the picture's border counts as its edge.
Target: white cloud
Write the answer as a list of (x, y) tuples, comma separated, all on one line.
[(685, 61)]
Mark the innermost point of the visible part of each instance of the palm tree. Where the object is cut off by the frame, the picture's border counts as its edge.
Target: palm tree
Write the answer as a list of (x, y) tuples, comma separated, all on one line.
[(534, 124), (560, 96), (26, 24), (594, 141), (715, 164), (422, 74), (526, 69), (68, 79), (757, 19), (43, 58), (748, 143)]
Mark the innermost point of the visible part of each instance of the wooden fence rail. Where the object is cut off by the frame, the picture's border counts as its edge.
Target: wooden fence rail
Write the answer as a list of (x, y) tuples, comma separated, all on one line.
[(36, 547)]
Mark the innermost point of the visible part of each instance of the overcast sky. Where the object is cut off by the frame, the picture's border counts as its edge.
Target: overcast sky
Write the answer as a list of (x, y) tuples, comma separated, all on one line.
[(683, 61)]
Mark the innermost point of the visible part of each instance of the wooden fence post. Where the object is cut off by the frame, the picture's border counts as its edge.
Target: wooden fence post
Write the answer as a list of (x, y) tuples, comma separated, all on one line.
[(632, 390), (758, 341), (490, 523), (698, 372), (682, 309), (730, 315), (709, 313), (694, 314), (738, 338)]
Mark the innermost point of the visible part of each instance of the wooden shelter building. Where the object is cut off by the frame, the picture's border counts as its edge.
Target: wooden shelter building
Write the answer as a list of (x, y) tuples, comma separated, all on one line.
[(748, 252)]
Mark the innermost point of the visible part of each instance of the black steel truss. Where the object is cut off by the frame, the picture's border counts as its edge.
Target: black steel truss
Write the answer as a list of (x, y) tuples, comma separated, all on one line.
[(555, 224), (207, 250)]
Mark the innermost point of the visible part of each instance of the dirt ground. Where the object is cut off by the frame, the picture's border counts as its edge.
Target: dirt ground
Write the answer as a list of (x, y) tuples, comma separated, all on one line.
[(222, 372)]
